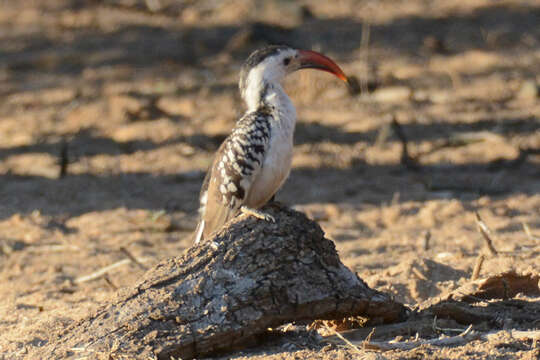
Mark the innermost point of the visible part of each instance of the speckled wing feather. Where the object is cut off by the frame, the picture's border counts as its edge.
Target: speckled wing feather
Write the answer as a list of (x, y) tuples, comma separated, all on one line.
[(238, 161)]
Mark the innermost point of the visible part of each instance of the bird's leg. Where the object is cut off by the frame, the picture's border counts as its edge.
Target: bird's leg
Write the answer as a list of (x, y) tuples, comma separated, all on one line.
[(258, 214)]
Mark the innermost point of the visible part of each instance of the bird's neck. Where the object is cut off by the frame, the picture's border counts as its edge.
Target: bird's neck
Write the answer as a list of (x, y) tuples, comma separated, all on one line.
[(271, 95)]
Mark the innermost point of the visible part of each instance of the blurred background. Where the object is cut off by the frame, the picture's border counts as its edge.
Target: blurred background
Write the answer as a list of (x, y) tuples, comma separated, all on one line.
[(111, 110)]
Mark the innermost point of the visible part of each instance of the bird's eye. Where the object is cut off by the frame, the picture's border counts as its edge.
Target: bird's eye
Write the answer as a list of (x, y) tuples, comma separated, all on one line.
[(286, 61)]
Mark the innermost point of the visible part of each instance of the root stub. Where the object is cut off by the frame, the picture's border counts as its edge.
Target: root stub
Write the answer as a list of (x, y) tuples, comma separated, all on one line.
[(221, 293)]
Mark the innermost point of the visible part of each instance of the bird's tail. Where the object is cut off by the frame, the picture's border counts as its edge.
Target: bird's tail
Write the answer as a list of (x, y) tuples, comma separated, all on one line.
[(203, 198)]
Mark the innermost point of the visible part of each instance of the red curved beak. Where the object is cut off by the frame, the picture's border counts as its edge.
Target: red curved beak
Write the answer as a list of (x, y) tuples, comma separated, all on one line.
[(314, 60)]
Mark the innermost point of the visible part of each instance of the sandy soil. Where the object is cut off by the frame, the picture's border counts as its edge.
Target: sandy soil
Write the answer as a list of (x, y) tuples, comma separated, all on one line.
[(131, 104)]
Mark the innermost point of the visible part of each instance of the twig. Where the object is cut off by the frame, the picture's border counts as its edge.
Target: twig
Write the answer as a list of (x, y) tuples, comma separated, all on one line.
[(464, 337), (63, 156), (406, 159), (418, 274), (64, 159), (109, 282), (364, 48), (78, 348), (390, 331), (368, 338), (133, 258), (439, 329), (103, 271), (350, 344), (478, 266), (52, 248), (486, 234), (528, 232), (425, 240), (382, 135)]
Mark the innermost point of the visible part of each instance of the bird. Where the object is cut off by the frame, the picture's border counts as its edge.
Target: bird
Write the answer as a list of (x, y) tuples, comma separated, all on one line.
[(254, 161)]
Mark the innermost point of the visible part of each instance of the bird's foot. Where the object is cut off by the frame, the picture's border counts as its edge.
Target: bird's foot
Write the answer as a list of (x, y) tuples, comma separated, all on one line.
[(258, 214)]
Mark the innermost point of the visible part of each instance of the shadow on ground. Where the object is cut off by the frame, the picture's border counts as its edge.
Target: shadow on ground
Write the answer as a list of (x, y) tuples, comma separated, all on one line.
[(145, 46)]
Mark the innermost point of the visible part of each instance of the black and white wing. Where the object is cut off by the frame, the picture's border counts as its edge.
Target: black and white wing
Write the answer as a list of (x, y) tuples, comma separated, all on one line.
[(237, 163)]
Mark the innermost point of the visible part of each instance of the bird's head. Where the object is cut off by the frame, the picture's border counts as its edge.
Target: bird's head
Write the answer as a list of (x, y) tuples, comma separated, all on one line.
[(271, 64)]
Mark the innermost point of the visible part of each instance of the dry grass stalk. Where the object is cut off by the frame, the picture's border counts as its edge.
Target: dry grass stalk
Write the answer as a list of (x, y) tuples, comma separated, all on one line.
[(364, 49), (478, 266), (99, 273), (463, 338), (486, 234), (133, 258), (418, 274), (368, 338), (53, 248), (110, 282), (342, 338), (63, 160), (103, 271), (528, 232), (425, 240), (406, 159), (436, 328)]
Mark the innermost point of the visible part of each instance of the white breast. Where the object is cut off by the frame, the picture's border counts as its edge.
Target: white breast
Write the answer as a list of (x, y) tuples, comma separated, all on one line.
[(275, 170), (277, 161)]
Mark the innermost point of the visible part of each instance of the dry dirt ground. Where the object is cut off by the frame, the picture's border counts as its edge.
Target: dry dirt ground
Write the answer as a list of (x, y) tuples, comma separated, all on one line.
[(110, 113)]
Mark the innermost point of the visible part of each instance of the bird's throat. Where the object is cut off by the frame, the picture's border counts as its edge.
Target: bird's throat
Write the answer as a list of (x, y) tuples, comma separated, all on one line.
[(272, 96)]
